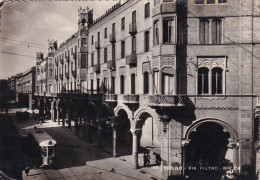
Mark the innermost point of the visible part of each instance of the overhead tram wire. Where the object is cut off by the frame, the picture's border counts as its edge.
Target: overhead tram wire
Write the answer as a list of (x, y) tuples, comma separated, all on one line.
[(25, 42), (29, 46), (17, 54)]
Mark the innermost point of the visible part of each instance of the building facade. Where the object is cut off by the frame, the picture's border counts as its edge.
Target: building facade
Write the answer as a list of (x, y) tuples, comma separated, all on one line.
[(25, 88), (178, 79)]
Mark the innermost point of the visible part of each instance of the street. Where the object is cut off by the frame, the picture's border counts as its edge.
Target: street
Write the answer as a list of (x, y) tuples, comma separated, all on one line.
[(77, 159)]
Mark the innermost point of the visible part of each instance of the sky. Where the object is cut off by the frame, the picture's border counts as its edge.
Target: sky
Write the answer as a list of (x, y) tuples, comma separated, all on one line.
[(27, 26)]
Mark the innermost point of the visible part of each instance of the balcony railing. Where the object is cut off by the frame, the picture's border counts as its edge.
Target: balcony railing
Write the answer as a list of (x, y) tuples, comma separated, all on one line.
[(97, 45), (112, 38), (111, 65), (61, 76), (131, 59), (131, 98), (166, 100), (132, 28), (67, 75), (111, 98), (96, 68), (74, 74)]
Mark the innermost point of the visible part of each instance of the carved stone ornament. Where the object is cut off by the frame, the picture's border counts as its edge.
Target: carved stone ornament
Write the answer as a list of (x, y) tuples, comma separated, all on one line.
[(146, 67), (211, 62), (217, 108), (156, 62), (122, 71), (113, 73), (167, 61)]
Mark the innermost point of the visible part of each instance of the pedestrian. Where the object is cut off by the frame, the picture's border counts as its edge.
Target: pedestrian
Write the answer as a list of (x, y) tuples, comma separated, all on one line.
[(27, 170)]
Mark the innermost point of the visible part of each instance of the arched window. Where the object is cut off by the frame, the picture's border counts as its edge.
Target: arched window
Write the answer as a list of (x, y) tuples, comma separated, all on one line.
[(168, 31), (132, 83), (203, 85), (146, 83), (156, 33), (217, 81), (122, 84)]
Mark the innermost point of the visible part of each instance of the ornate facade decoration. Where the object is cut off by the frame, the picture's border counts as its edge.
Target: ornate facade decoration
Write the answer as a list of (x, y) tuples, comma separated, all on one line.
[(211, 62), (122, 71), (147, 67)]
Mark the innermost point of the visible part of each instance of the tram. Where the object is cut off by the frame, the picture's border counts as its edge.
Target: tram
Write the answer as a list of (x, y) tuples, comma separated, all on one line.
[(44, 147)]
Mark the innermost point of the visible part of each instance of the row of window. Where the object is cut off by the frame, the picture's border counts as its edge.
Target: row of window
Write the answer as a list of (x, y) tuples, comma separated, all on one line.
[(210, 1), (123, 48), (146, 15)]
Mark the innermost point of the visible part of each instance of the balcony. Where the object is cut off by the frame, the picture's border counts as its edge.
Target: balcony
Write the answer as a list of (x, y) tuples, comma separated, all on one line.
[(131, 99), (111, 65), (111, 98), (97, 45), (83, 49), (61, 76), (67, 75), (166, 101), (56, 77), (132, 29), (67, 57), (96, 68), (165, 7), (131, 59), (74, 74), (61, 60), (112, 38)]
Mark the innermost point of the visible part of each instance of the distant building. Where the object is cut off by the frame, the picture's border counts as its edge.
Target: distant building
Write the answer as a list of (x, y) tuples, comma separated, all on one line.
[(25, 88)]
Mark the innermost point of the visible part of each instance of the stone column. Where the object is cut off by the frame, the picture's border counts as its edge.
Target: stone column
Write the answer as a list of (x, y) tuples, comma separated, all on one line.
[(30, 101), (58, 114), (210, 81), (52, 111), (135, 133), (99, 138), (175, 82), (114, 141)]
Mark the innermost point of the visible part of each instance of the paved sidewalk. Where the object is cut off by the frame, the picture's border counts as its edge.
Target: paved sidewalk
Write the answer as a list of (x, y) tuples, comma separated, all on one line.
[(102, 168)]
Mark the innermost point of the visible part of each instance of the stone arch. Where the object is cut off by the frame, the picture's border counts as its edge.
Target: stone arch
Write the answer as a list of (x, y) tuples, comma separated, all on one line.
[(140, 118), (117, 109), (226, 126)]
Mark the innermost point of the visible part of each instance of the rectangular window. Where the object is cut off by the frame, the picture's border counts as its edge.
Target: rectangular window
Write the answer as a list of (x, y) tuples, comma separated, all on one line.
[(83, 41), (112, 85), (123, 23), (92, 40), (105, 33), (83, 63), (113, 52), (210, 1), (98, 57), (216, 32), (123, 49), (98, 87), (133, 44), (105, 55), (146, 41), (92, 59), (204, 31), (92, 86), (98, 37), (222, 1), (147, 10), (199, 1), (156, 32)]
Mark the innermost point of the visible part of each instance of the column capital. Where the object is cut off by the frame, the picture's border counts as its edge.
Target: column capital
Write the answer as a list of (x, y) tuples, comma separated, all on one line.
[(136, 131)]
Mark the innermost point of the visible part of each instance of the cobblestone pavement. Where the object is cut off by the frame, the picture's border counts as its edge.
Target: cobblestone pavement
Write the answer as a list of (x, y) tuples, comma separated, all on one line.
[(77, 159)]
